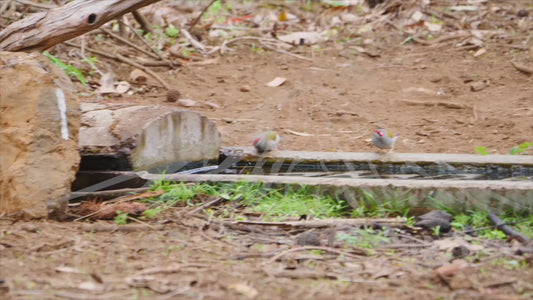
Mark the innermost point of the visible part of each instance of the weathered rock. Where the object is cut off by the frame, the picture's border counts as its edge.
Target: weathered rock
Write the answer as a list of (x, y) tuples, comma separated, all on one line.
[(39, 123), (144, 137)]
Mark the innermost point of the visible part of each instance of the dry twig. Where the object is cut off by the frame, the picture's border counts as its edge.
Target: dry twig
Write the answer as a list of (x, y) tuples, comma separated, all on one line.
[(195, 21), (127, 42), (196, 44), (145, 69), (139, 36), (522, 68), (207, 205), (273, 259), (446, 104), (145, 25)]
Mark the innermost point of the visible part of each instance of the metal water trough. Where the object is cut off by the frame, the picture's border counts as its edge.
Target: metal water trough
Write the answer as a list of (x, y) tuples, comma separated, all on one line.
[(457, 181)]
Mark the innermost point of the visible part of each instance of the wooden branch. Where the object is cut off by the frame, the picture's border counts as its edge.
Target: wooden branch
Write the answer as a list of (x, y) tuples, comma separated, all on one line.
[(43, 30), (356, 252), (107, 194), (522, 68), (145, 69), (38, 5), (127, 42), (145, 25), (508, 230), (200, 15)]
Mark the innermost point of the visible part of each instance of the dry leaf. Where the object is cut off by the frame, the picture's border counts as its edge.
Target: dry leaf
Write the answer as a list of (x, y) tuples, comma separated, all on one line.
[(121, 87), (212, 105), (479, 85), (187, 102), (480, 52), (451, 269), (91, 286), (244, 289), (277, 81), (302, 38), (433, 26), (108, 84), (138, 76), (68, 270), (304, 133)]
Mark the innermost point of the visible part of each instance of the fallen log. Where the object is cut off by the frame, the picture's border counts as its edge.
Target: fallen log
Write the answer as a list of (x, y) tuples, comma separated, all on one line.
[(131, 137), (43, 30)]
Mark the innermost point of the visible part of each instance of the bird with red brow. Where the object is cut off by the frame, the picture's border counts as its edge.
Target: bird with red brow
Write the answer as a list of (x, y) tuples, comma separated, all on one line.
[(384, 139), (266, 141)]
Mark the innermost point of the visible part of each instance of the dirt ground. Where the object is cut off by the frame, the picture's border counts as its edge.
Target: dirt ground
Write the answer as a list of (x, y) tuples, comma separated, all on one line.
[(332, 103), (191, 258), (341, 99), (336, 101)]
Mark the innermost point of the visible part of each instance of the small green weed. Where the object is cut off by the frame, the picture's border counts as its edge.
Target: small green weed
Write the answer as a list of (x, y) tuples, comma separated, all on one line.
[(394, 205), (479, 219), (121, 218), (524, 148), (364, 238), (172, 32), (482, 150), (68, 69)]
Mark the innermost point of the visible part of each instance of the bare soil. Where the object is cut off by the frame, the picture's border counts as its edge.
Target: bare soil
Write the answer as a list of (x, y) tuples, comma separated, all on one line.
[(335, 102), (332, 103), (341, 99), (191, 258)]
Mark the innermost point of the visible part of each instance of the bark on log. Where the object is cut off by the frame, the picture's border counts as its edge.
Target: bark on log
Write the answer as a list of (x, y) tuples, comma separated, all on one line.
[(43, 30)]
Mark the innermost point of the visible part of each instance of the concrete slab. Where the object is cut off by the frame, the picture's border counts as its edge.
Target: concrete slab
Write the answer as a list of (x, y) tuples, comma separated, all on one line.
[(461, 195)]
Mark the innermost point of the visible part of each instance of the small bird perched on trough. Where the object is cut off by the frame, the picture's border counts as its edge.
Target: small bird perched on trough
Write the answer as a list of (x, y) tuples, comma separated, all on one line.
[(266, 141), (384, 139)]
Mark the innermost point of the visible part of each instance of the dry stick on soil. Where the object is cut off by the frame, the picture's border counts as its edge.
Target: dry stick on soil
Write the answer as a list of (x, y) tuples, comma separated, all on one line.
[(322, 223), (169, 63), (446, 104), (474, 113), (261, 40), (101, 53), (284, 52), (124, 199), (107, 194), (146, 63), (145, 69), (145, 25), (174, 268), (140, 222), (400, 246), (508, 230), (357, 256), (196, 44), (522, 68), (105, 227), (38, 5), (4, 6), (200, 15), (125, 41), (207, 205)]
